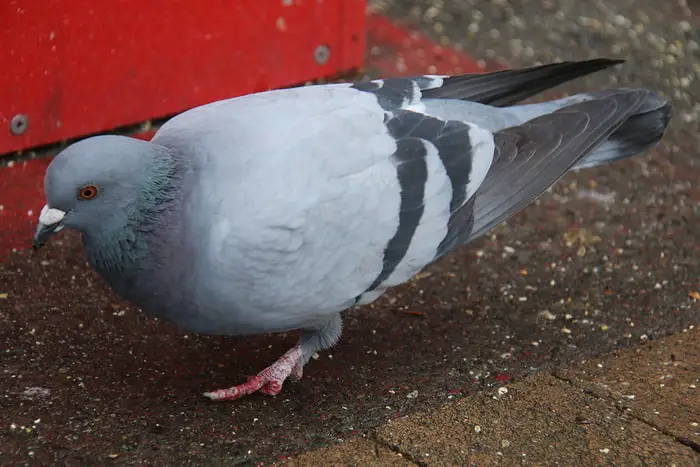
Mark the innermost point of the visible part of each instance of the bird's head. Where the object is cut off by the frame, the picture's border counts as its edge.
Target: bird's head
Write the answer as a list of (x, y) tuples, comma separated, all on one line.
[(91, 185)]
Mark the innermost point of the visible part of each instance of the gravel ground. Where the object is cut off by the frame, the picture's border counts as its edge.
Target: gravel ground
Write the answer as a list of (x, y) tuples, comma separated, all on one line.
[(91, 380), (659, 39)]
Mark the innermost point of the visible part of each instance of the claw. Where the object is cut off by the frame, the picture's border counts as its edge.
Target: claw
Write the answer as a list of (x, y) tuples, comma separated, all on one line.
[(269, 381)]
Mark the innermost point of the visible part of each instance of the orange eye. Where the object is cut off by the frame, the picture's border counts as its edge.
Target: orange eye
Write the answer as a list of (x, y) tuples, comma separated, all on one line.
[(87, 192)]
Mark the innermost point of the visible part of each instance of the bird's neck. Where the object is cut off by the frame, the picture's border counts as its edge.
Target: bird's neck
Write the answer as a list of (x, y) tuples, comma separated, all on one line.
[(130, 245)]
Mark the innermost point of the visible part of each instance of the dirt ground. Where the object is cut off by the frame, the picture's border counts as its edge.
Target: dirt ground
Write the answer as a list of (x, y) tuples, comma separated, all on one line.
[(608, 260)]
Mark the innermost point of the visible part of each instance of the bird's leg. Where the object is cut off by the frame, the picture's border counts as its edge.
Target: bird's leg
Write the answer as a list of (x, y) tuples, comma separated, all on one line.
[(270, 380)]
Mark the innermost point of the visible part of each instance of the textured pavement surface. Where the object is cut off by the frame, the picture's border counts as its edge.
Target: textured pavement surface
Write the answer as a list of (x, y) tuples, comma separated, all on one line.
[(637, 407), (606, 261)]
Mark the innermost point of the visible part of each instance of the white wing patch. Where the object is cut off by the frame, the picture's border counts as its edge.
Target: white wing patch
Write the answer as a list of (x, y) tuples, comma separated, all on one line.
[(483, 147), (436, 81)]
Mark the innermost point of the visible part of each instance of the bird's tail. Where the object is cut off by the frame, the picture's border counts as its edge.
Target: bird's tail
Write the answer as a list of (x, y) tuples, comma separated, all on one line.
[(640, 132), (584, 132)]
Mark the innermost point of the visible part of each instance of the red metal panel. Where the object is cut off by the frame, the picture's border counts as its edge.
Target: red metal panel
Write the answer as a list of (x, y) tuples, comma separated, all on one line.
[(76, 67)]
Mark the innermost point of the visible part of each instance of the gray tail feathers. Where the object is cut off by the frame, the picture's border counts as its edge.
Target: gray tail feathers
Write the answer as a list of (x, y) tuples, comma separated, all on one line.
[(507, 87), (640, 132)]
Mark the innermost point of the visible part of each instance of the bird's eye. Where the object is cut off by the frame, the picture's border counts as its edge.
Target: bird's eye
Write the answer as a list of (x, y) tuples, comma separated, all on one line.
[(87, 192)]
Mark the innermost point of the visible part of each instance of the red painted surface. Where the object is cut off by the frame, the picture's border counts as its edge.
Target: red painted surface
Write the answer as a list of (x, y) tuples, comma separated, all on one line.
[(21, 199), (76, 67), (392, 50)]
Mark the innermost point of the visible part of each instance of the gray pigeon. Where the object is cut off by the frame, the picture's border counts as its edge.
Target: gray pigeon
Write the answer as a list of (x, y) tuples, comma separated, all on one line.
[(278, 210)]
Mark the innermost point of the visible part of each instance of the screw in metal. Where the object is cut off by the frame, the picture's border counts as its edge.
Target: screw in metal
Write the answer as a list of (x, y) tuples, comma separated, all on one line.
[(19, 124), (322, 54)]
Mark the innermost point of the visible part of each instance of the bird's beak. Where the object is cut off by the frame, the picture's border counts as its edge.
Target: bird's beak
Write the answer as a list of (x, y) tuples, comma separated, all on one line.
[(50, 223)]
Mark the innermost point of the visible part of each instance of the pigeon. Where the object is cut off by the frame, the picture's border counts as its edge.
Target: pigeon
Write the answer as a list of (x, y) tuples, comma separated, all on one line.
[(277, 211)]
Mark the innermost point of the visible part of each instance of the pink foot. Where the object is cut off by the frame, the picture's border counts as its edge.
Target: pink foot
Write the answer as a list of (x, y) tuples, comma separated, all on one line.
[(269, 381)]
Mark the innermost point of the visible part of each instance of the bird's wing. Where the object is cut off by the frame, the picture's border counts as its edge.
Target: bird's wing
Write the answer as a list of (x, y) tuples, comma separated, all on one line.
[(533, 156)]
